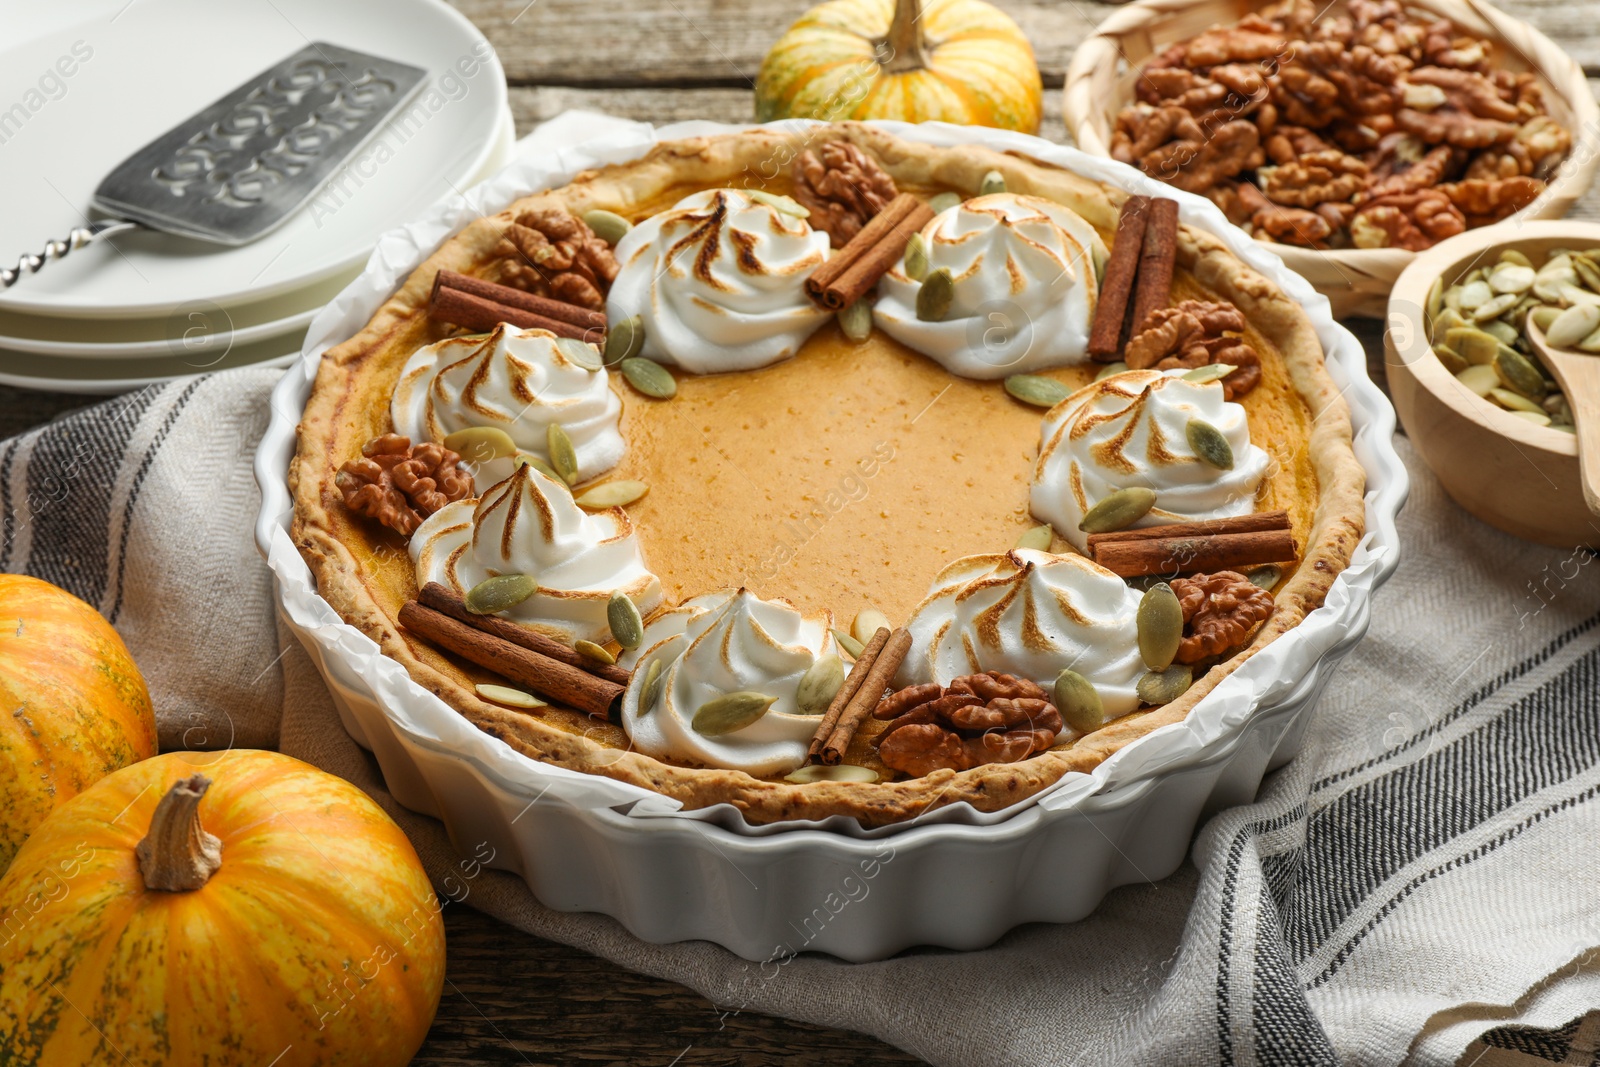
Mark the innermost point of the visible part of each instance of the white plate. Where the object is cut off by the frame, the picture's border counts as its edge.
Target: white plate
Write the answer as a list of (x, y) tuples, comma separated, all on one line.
[(139, 68), (959, 878)]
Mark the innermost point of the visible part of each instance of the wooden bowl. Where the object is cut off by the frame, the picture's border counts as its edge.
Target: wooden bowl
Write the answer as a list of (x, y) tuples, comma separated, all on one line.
[(1356, 281), (1510, 473)]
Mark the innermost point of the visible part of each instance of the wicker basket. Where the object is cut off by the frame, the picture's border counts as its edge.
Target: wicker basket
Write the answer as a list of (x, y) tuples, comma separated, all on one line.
[(1357, 281)]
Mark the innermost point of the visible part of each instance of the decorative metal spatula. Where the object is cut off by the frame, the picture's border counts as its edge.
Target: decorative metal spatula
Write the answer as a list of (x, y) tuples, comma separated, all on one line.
[(243, 165)]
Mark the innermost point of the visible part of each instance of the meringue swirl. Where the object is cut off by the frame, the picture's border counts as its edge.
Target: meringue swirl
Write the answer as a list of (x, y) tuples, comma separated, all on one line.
[(1025, 288), (723, 643), (516, 380), (528, 524), (1131, 429), (719, 282), (1030, 614)]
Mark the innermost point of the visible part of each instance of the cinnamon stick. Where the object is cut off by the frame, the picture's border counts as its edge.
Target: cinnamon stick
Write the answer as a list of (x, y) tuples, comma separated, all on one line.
[(1185, 555), (866, 697), (1260, 520), (852, 682), (1157, 260), (442, 598), (1111, 308), (849, 273), (479, 305), (545, 676)]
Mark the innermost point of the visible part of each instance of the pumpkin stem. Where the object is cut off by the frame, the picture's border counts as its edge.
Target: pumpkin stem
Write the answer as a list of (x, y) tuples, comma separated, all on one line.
[(177, 854), (904, 42)]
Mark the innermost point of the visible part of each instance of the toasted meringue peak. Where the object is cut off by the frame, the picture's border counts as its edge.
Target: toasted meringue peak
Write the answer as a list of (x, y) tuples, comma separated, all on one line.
[(516, 380), (1025, 288), (528, 524), (1132, 429), (721, 643), (1031, 614), (719, 282)]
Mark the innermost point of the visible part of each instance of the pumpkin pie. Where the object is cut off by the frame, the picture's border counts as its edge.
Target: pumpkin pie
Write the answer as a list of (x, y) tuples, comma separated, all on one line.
[(807, 563)]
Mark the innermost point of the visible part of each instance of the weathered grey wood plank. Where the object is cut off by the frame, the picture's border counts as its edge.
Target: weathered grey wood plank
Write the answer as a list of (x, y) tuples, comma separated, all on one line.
[(720, 43)]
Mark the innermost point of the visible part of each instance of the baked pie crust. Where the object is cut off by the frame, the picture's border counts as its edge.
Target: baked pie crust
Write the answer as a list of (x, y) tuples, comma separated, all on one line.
[(955, 487)]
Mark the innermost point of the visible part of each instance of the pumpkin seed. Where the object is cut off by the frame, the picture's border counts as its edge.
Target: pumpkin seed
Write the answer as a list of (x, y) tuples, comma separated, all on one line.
[(649, 377), (1572, 325), (582, 353), (730, 712), (1494, 308), (624, 339), (500, 592), (1210, 372), (1109, 369), (480, 444), (938, 292), (590, 650), (1588, 273), (1565, 427), (855, 321), (1480, 379), (1443, 323), (916, 258), (1038, 539), (1475, 294), (993, 182), (1119, 510), (1501, 331), (650, 688), (848, 644), (1474, 345), (622, 615), (1078, 701), (1450, 358), (1435, 298), (819, 685), (607, 225), (1266, 577), (1571, 294), (1590, 343), (783, 205), (1163, 687), (1160, 620), (1538, 418), (1514, 401), (511, 698), (528, 459), (942, 202), (1452, 299), (1511, 278), (1512, 255), (1209, 444), (612, 494), (563, 456), (1037, 390), (839, 772), (868, 621), (1521, 375)]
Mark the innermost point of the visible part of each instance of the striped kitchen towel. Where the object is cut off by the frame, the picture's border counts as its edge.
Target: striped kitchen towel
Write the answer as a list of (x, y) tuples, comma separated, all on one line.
[(1420, 886)]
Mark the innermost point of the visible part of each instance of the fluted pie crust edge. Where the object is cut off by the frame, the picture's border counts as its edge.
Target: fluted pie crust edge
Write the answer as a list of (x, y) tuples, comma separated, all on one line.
[(346, 408)]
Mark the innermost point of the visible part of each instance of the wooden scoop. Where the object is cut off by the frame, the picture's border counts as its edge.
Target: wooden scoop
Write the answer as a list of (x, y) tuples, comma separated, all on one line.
[(1578, 374)]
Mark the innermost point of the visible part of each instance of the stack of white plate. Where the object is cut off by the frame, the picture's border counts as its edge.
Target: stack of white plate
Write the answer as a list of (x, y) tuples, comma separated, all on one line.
[(83, 85)]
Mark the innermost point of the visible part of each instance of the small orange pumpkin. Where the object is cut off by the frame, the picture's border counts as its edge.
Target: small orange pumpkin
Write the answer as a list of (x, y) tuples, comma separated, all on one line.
[(960, 61), (75, 705), (270, 913)]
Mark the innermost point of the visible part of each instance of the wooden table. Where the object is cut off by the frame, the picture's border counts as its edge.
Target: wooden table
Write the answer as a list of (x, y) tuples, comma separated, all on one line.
[(515, 999)]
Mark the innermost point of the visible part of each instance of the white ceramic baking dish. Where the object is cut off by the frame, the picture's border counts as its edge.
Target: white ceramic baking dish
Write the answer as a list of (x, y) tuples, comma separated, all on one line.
[(957, 879)]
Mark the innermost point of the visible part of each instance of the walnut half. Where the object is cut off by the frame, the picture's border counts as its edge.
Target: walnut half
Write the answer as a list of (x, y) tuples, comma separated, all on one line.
[(1219, 611), (400, 485), (977, 719), (842, 187)]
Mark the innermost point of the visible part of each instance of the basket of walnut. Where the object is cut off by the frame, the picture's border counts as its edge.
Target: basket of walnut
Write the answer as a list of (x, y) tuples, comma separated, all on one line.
[(1352, 136)]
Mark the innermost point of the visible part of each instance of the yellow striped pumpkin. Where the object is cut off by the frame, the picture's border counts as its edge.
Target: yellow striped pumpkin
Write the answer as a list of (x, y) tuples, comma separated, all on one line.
[(73, 707), (960, 61), (231, 909)]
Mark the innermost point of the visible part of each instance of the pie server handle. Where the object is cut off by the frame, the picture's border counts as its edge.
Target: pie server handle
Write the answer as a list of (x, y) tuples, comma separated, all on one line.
[(79, 237)]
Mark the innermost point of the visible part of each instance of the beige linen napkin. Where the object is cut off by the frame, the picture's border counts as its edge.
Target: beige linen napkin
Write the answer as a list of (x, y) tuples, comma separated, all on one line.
[(1419, 886)]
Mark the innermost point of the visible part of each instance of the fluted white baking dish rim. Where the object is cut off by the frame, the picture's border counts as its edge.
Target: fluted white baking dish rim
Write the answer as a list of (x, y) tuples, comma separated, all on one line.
[(1267, 679)]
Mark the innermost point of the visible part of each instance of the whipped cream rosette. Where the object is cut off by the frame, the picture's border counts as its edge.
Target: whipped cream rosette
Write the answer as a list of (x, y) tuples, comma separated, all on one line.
[(1131, 429), (721, 643), (1031, 614), (1025, 288), (719, 282), (516, 380), (528, 524)]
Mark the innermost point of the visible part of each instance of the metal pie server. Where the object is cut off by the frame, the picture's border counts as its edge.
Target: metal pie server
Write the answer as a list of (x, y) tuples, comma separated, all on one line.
[(239, 168)]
